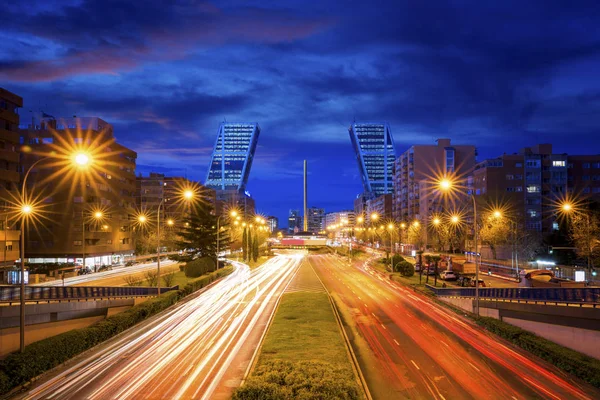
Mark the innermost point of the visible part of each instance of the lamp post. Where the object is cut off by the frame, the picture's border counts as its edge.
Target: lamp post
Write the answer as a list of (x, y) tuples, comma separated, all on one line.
[(446, 185), (390, 228)]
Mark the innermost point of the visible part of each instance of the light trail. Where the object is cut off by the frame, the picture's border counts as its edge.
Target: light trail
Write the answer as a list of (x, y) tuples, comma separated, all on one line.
[(116, 272), (182, 353), (455, 358)]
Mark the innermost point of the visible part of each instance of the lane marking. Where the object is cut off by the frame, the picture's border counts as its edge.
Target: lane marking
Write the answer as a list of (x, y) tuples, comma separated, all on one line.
[(383, 327), (397, 344), (444, 343), (365, 305), (415, 364)]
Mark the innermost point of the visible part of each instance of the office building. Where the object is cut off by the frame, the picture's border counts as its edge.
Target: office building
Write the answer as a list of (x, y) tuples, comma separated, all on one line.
[(345, 217), (9, 176), (273, 224), (230, 165), (316, 217), (360, 204), (373, 145), (380, 205), (295, 221), (416, 174), (68, 226)]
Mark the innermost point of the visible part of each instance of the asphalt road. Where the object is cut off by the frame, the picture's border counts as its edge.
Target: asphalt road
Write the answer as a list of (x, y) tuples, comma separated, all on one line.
[(410, 347), (198, 349), (113, 277)]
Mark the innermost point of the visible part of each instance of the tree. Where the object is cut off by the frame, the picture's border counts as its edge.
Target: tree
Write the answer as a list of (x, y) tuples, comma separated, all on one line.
[(494, 232), (415, 235), (245, 245), (249, 246), (255, 248), (198, 235), (584, 232), (436, 259)]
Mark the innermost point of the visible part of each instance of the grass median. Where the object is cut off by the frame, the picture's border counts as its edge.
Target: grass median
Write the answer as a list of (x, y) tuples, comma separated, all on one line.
[(303, 354)]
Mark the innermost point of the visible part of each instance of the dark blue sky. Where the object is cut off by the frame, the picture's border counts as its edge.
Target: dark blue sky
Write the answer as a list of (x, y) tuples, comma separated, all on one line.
[(501, 75)]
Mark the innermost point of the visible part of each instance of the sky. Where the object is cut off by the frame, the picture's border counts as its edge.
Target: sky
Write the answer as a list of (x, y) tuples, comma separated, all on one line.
[(500, 75)]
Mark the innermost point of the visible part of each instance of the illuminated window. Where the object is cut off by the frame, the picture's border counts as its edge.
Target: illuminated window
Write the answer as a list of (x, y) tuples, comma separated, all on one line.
[(557, 163)]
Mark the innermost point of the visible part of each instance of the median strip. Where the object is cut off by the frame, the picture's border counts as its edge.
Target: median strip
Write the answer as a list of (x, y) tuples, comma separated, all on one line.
[(303, 354)]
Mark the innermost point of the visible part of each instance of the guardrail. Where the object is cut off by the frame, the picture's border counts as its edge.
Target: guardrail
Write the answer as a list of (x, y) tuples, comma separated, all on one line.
[(11, 294), (551, 295)]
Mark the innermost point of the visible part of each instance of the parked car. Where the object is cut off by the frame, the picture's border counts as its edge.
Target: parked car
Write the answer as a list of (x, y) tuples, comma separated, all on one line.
[(105, 268), (481, 283), (448, 276), (84, 271)]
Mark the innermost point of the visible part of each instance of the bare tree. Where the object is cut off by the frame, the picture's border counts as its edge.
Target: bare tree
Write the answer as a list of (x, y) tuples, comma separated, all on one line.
[(495, 232), (132, 280), (584, 232), (169, 278), (151, 277)]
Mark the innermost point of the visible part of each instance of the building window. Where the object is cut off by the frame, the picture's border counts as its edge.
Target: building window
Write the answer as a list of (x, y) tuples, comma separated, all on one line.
[(570, 165), (77, 242), (510, 177), (518, 177), (586, 190), (124, 241), (555, 226), (518, 188), (510, 189), (9, 247), (586, 165), (596, 177), (596, 165), (109, 241), (518, 165), (533, 189), (558, 163), (532, 213), (586, 178), (533, 163), (78, 199)]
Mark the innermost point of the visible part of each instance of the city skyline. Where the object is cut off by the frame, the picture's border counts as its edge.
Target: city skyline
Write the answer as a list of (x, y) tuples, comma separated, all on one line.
[(304, 73)]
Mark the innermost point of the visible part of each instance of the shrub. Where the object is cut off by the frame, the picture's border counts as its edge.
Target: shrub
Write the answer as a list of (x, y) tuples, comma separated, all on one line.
[(199, 267), (300, 380), (405, 268)]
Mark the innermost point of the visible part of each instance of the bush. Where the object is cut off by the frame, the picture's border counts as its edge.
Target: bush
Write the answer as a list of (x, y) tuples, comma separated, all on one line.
[(19, 368), (405, 268), (151, 277), (169, 279), (132, 280), (199, 267), (301, 380)]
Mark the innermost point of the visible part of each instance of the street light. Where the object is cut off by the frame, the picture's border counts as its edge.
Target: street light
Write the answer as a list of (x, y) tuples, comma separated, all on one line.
[(447, 186), (98, 216)]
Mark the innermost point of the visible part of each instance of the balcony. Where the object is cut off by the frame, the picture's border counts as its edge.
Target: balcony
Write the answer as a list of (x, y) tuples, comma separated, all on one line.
[(10, 156)]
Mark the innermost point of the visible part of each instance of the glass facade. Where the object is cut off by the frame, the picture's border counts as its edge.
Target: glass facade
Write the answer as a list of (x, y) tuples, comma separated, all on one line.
[(232, 156), (374, 148)]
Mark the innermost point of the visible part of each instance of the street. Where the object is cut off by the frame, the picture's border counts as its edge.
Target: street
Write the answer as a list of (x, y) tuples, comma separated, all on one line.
[(114, 277), (199, 348), (410, 347)]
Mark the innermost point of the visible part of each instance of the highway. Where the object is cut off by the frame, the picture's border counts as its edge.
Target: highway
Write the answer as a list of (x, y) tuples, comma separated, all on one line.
[(198, 349), (113, 277), (410, 347)]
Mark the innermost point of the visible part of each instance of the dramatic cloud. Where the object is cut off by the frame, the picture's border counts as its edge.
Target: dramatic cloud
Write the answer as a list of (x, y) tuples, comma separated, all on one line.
[(501, 75)]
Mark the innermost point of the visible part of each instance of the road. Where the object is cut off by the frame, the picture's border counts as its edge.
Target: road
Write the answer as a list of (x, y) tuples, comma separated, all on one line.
[(410, 347), (113, 277), (198, 349)]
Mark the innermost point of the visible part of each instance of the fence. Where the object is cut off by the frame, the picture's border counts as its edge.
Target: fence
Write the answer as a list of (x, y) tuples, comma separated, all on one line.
[(11, 294), (563, 295)]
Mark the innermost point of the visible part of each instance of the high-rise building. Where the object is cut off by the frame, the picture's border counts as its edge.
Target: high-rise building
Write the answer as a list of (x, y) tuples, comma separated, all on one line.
[(380, 205), (152, 189), (373, 145), (416, 172), (273, 223), (360, 204), (230, 165), (295, 221), (68, 225), (9, 178), (532, 181), (345, 217), (316, 217)]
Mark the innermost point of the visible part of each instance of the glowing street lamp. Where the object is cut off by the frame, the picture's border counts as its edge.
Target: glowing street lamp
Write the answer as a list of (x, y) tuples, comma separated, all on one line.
[(455, 219), (170, 222), (437, 221), (142, 219), (374, 216), (360, 219), (81, 159)]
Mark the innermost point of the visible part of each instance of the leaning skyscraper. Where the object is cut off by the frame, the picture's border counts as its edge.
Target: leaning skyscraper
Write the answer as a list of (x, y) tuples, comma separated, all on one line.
[(373, 145), (231, 162)]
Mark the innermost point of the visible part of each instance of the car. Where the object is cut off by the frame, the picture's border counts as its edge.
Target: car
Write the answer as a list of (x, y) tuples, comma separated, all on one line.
[(105, 268), (448, 276), (481, 283)]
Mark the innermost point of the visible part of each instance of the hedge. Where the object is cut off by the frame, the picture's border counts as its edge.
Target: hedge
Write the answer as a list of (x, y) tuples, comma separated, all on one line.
[(39, 357), (279, 380), (583, 367)]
